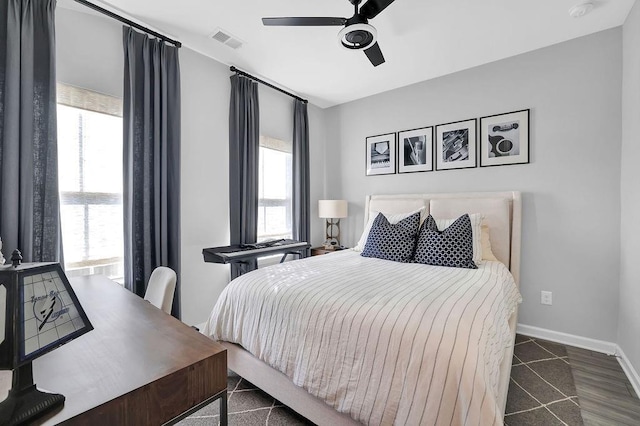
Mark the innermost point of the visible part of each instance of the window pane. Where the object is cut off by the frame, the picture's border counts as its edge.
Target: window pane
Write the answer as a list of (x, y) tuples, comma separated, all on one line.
[(275, 189), (72, 232), (90, 180), (102, 152), (104, 243), (68, 154), (276, 174)]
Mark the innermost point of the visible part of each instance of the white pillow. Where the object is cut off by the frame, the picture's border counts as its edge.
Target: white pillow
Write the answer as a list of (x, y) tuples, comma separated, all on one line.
[(487, 253), (392, 218), (476, 228)]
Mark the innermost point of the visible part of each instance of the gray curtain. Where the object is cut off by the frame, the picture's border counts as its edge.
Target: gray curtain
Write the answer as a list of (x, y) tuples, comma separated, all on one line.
[(301, 200), (29, 200), (244, 140), (151, 196)]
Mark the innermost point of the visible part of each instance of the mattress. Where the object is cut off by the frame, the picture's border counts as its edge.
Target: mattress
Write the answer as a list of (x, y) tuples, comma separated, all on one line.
[(385, 342)]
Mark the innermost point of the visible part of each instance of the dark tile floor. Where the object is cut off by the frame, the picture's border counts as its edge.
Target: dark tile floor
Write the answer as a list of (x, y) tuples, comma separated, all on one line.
[(542, 390)]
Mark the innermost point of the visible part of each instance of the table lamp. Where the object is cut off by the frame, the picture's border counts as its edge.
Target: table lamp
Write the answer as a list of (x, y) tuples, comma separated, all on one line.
[(39, 312), (332, 211)]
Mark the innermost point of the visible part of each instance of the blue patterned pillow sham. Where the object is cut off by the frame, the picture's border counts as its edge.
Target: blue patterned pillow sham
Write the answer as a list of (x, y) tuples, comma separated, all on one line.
[(451, 247), (394, 242)]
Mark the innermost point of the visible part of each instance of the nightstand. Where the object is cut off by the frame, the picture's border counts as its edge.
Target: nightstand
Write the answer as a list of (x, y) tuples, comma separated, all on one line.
[(317, 251)]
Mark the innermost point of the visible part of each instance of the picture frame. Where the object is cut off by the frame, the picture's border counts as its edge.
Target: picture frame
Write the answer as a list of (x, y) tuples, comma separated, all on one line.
[(415, 150), (504, 139), (455, 145), (381, 154)]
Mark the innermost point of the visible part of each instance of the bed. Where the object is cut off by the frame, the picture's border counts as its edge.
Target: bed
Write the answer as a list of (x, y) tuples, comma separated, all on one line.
[(378, 345)]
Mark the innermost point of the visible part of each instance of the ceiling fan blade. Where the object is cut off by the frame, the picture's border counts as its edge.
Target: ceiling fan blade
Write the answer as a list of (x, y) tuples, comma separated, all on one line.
[(375, 54), (372, 8), (319, 21)]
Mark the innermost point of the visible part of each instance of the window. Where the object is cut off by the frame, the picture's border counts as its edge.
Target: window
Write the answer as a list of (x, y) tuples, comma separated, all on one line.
[(274, 192), (90, 182)]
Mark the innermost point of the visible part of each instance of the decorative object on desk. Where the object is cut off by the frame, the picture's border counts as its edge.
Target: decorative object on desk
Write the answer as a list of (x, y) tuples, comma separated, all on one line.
[(504, 139), (456, 145), (332, 211), (381, 154), (39, 312), (16, 258), (415, 148)]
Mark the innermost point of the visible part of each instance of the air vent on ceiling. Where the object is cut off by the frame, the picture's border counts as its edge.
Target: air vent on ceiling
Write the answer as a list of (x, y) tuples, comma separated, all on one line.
[(226, 38)]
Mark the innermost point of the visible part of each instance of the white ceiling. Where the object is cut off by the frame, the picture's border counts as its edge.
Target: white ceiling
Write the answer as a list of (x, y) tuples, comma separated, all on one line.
[(420, 39)]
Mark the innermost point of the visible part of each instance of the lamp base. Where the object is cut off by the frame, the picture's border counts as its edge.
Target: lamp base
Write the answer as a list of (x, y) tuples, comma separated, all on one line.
[(329, 245), (27, 404), (333, 234)]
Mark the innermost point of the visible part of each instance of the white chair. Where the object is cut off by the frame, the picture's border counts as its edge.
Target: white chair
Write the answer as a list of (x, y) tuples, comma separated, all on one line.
[(162, 285)]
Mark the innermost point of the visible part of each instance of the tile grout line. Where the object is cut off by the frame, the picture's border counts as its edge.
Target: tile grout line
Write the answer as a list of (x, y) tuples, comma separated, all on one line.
[(536, 360), (541, 404), (544, 380), (269, 414), (545, 349), (537, 408), (236, 412), (234, 389)]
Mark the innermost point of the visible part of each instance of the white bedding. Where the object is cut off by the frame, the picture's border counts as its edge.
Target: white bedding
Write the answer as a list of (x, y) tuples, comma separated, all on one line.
[(386, 342)]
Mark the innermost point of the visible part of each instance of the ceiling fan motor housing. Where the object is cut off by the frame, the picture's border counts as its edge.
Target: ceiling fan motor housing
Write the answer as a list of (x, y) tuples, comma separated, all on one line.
[(358, 36)]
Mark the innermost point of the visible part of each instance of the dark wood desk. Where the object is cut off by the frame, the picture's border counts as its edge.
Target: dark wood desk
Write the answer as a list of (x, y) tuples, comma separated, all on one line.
[(139, 366)]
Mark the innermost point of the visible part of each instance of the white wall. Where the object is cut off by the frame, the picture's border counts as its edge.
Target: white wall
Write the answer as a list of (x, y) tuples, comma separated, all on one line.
[(204, 180), (89, 55), (89, 52), (571, 189), (629, 321)]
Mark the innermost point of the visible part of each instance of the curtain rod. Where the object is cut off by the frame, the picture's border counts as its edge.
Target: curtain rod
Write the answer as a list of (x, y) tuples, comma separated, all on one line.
[(237, 71), (128, 22)]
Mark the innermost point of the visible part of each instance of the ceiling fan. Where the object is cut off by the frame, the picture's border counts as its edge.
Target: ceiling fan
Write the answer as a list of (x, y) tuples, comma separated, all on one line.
[(357, 34)]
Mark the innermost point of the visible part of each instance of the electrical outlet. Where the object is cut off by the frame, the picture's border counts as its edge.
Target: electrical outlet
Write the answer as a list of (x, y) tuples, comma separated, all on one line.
[(546, 298)]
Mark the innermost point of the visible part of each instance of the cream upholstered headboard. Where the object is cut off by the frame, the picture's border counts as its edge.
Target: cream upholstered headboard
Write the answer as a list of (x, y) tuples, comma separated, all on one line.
[(502, 212)]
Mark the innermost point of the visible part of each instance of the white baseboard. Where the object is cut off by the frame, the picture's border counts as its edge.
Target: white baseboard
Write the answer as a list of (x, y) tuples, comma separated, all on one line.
[(602, 346), (608, 348), (628, 369)]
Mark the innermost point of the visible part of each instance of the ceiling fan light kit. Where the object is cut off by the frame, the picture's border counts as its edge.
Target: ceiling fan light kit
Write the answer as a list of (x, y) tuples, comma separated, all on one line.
[(357, 34), (579, 10)]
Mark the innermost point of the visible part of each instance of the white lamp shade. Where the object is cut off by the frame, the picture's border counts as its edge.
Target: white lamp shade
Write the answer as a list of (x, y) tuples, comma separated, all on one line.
[(332, 209)]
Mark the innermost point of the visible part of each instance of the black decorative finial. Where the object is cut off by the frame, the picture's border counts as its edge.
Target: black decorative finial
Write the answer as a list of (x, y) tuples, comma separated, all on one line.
[(16, 258)]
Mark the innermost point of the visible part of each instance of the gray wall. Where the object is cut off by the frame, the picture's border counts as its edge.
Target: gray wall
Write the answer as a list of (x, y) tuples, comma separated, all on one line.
[(89, 50), (629, 322), (571, 189)]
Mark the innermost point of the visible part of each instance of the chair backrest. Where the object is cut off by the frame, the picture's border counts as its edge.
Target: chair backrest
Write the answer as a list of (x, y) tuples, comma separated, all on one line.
[(162, 285)]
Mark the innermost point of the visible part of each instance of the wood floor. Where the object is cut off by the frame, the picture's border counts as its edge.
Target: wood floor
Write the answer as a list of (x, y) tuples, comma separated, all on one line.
[(604, 391)]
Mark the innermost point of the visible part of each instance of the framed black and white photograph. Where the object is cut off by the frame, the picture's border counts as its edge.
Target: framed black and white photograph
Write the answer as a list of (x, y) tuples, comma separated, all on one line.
[(455, 146), (381, 154), (504, 139), (415, 150)]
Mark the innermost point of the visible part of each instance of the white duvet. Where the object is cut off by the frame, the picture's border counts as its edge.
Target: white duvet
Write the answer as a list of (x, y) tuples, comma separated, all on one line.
[(386, 342)]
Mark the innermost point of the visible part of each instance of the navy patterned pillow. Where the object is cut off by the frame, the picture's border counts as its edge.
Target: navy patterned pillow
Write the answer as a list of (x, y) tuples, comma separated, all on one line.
[(451, 247), (392, 242)]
